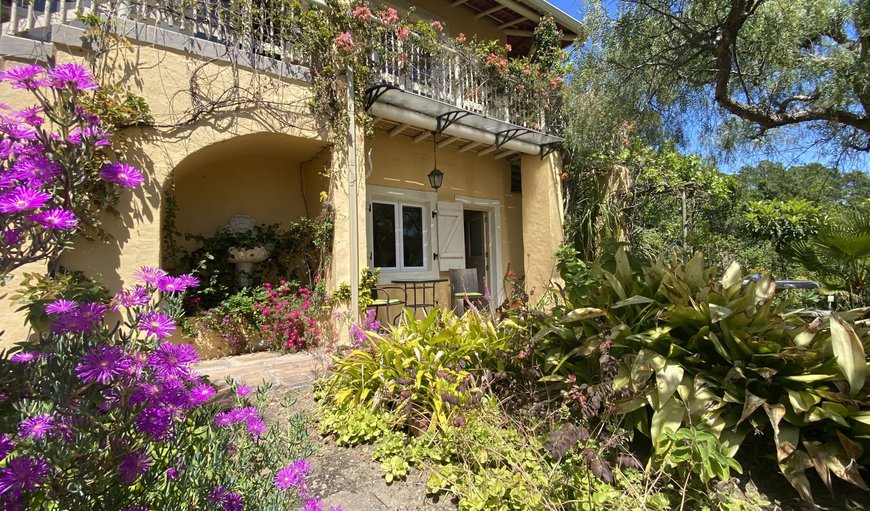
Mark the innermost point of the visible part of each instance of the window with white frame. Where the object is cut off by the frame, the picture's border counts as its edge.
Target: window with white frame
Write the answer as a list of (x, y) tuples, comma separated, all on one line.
[(399, 235)]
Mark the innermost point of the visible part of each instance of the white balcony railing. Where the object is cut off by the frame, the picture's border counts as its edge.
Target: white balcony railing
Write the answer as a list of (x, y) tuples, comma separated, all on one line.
[(448, 75)]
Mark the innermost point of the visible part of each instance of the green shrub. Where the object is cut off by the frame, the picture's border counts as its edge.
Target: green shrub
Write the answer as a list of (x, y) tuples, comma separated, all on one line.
[(420, 372), (717, 354)]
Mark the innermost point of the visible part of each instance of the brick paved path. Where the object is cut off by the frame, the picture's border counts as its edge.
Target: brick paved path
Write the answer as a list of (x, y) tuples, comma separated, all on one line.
[(287, 371)]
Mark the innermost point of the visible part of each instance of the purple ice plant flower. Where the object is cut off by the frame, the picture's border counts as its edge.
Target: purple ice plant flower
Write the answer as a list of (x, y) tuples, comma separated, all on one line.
[(24, 77), (255, 426), (31, 115), (149, 275), (233, 502), (35, 170), (82, 319), (243, 390), (23, 473), (6, 446), (134, 297), (169, 284), (155, 421), (293, 474), (36, 427), (57, 219), (61, 306), (201, 394), (189, 280), (25, 357), (312, 505), (77, 76), (94, 134), (22, 198), (122, 174), (103, 364), (157, 324), (133, 465), (12, 236), (173, 360), (19, 133)]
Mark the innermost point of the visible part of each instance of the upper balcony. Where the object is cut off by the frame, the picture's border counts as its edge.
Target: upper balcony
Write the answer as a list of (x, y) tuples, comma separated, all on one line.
[(413, 83)]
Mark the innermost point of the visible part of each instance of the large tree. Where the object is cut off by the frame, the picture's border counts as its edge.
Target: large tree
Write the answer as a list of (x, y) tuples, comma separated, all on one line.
[(767, 64)]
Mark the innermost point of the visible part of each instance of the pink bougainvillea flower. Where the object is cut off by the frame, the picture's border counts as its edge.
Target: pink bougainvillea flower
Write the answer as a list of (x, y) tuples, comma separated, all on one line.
[(22, 198), (362, 13), (23, 77), (122, 174), (403, 33), (56, 218), (389, 15), (344, 42), (437, 25), (71, 75)]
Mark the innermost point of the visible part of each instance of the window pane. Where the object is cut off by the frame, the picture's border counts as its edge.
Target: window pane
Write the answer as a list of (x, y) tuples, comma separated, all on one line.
[(384, 234), (412, 235)]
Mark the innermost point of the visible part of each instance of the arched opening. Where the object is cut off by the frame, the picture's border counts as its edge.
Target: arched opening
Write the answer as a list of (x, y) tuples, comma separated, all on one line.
[(273, 182)]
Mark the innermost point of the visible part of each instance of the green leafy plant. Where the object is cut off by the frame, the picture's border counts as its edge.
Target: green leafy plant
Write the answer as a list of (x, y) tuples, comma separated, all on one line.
[(421, 372), (716, 353)]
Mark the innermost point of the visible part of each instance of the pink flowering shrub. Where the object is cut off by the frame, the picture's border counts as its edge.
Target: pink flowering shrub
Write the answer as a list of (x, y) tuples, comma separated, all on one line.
[(290, 316)]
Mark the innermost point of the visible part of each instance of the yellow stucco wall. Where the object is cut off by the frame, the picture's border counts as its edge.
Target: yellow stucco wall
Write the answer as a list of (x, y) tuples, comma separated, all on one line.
[(457, 20), (163, 78), (399, 162)]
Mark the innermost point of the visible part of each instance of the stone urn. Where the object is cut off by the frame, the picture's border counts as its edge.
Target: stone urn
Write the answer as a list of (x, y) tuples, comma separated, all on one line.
[(245, 257)]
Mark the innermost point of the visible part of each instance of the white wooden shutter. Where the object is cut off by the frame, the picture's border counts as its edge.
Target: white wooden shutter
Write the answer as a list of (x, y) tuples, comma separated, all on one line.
[(451, 236)]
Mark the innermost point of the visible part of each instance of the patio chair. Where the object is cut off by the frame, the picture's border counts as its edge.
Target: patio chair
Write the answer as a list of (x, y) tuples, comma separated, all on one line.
[(465, 287), (381, 299)]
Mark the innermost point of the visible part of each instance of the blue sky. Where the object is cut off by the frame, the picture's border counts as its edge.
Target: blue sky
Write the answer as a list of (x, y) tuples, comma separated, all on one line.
[(795, 148)]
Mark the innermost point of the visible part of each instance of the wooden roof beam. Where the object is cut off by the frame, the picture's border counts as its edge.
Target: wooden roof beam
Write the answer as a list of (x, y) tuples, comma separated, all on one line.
[(445, 143), (513, 22), (398, 129), (422, 136), (469, 147), (490, 149), (491, 10)]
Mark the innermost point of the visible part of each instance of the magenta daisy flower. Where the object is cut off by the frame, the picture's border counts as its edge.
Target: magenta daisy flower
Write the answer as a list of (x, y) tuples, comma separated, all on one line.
[(133, 465), (36, 427), (94, 134), (6, 446), (255, 426), (35, 170), (22, 198), (56, 218), (157, 324), (23, 77), (71, 75), (170, 284), (293, 474), (103, 364), (312, 505), (135, 297), (149, 275), (155, 421), (189, 280), (122, 174), (20, 133), (201, 394), (23, 473), (25, 357), (61, 306), (31, 115)]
